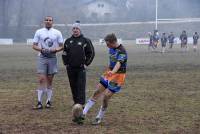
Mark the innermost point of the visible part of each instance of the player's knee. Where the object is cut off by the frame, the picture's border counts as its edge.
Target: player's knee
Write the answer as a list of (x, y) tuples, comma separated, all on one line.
[(96, 94), (41, 80), (94, 97)]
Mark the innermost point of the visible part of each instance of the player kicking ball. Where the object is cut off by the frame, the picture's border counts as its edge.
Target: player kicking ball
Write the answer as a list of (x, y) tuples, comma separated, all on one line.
[(112, 80)]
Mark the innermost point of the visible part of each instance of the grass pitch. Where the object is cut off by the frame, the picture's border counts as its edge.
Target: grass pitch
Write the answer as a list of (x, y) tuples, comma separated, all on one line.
[(161, 94)]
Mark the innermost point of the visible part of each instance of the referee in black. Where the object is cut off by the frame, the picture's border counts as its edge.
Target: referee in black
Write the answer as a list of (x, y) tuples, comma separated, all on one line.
[(78, 53)]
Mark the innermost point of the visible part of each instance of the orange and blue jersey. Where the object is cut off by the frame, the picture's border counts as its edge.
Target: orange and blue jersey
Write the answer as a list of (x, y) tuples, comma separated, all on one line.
[(115, 81), (118, 54)]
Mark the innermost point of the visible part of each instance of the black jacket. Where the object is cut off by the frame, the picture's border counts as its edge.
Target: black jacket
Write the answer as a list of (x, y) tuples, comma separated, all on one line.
[(78, 51)]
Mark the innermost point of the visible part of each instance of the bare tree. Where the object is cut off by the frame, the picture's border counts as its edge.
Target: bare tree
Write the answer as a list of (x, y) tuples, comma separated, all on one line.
[(20, 24), (5, 4)]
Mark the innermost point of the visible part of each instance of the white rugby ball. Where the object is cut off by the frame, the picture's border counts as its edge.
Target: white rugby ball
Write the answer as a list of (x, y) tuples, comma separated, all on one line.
[(77, 110)]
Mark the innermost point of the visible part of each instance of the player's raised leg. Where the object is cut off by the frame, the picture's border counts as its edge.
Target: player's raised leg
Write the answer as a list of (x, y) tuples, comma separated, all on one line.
[(100, 89)]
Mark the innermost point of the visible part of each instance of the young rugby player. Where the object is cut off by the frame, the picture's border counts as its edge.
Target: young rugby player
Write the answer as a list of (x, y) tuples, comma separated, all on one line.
[(112, 80)]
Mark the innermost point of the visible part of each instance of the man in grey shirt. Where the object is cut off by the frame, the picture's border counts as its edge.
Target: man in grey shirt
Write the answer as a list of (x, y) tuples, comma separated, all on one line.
[(47, 41)]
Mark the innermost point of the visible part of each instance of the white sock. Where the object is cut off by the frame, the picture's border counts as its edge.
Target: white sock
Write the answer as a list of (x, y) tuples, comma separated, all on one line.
[(87, 107), (101, 113), (49, 94), (40, 94)]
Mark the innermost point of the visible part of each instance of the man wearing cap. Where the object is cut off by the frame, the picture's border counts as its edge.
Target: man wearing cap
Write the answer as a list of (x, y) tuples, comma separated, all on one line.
[(78, 53)]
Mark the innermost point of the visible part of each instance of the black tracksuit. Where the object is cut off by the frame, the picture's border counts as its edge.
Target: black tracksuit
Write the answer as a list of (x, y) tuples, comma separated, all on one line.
[(78, 51)]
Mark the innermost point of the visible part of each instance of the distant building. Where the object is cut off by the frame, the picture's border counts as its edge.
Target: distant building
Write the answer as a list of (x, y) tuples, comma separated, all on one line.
[(130, 4), (100, 10)]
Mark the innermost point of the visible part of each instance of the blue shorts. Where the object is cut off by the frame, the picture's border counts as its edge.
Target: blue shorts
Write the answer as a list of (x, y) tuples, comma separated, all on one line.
[(110, 85)]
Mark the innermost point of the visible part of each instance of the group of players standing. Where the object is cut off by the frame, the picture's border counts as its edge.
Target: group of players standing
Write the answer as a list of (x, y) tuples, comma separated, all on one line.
[(78, 54), (164, 39)]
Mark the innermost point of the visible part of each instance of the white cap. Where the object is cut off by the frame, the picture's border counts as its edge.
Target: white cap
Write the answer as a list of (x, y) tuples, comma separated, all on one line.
[(77, 25)]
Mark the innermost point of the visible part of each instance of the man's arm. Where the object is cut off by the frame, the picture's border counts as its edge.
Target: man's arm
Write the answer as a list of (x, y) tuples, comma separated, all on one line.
[(60, 43), (64, 54), (115, 69), (89, 52), (58, 49), (36, 47), (35, 42)]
